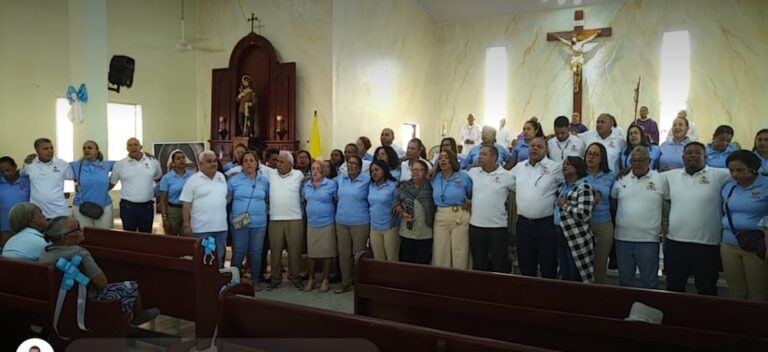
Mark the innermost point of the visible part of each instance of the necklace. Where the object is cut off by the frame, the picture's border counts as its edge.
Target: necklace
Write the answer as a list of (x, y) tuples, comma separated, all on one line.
[(444, 186)]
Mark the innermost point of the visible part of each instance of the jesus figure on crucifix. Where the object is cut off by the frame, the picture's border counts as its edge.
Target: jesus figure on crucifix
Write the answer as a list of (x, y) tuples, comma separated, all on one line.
[(577, 55)]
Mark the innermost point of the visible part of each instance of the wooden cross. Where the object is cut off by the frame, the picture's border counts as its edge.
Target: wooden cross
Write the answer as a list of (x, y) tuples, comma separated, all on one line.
[(254, 19), (576, 39)]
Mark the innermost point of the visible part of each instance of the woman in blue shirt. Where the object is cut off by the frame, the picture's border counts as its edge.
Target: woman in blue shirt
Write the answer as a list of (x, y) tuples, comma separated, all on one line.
[(672, 150), (531, 129), (248, 192), (451, 192), (233, 166), (92, 178), (745, 201), (636, 136), (600, 177), (320, 194), (385, 242), (760, 149), (389, 156), (721, 147), (14, 189), (352, 218), (169, 191)]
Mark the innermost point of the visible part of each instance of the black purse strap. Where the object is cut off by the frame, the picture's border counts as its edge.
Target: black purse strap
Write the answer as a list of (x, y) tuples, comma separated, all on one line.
[(253, 188), (728, 210)]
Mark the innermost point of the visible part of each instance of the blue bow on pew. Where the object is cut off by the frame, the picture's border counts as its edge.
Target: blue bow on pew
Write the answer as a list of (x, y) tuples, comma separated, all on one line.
[(209, 247), (72, 275)]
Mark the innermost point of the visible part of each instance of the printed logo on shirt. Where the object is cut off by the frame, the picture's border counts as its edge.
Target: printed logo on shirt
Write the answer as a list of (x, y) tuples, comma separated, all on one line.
[(611, 144), (146, 166), (497, 179), (573, 148), (755, 194), (704, 180), (651, 186), (56, 169), (544, 170), (457, 183)]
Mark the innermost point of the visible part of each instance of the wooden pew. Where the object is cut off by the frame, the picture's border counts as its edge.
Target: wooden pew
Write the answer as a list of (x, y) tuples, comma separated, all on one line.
[(28, 294), (261, 320), (170, 272), (553, 314)]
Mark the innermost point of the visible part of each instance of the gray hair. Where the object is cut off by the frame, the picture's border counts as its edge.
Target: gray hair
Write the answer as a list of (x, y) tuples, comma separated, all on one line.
[(204, 153), (640, 149), (489, 129), (289, 156), (20, 216), (56, 229)]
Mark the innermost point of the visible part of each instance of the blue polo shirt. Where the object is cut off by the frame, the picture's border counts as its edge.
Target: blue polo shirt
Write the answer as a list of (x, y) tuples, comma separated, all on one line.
[(654, 151), (452, 191), (380, 200), (228, 166), (27, 244), (564, 189), (602, 182), (748, 206), (764, 168), (474, 155), (717, 159), (93, 181), (395, 173), (672, 154), (249, 194), (12, 193), (520, 151), (367, 156), (321, 202), (352, 197), (172, 183)]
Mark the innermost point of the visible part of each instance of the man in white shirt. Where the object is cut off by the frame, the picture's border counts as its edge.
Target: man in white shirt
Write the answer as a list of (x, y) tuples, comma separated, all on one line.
[(286, 227), (137, 174), (46, 177), (488, 222), (350, 150), (611, 138), (638, 197), (388, 138), (693, 243), (411, 155), (564, 144), (536, 182), (204, 204), (503, 135), (469, 135)]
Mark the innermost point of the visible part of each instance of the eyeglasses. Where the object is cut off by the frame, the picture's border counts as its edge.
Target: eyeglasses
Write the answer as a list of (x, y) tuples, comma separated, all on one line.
[(637, 161), (78, 228)]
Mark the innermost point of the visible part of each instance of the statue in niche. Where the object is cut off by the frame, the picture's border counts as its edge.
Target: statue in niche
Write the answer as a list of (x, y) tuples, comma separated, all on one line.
[(577, 55), (247, 111)]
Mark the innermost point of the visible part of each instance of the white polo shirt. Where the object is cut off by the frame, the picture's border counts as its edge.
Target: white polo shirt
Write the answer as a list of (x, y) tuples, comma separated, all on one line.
[(697, 208), (536, 187), (365, 167), (284, 194), (571, 146), (489, 195), (47, 185), (208, 199), (405, 169), (136, 178), (614, 145), (638, 218)]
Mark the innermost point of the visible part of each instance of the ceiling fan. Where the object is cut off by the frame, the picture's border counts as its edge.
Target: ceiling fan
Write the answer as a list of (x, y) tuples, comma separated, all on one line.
[(183, 44)]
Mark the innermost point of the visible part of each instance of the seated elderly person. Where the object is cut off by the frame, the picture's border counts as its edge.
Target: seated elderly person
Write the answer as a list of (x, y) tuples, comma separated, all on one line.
[(65, 235), (27, 224)]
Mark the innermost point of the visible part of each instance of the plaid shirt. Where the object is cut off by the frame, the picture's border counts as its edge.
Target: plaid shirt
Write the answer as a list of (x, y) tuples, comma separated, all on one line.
[(575, 221)]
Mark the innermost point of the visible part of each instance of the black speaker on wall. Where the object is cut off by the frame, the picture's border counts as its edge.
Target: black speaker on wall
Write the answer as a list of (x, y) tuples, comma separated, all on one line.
[(121, 72)]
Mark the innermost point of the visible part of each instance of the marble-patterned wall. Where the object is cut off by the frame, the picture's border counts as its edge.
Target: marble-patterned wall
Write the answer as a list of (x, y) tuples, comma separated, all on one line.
[(728, 74)]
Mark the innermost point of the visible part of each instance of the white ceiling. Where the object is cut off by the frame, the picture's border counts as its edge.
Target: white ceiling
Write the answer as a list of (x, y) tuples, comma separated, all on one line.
[(443, 11)]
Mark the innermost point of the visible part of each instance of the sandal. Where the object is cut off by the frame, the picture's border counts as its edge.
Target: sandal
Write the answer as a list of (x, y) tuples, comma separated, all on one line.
[(343, 288)]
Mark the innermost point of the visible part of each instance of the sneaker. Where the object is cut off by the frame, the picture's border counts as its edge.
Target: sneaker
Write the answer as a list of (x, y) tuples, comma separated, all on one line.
[(273, 285), (298, 284), (144, 316), (256, 287), (343, 288)]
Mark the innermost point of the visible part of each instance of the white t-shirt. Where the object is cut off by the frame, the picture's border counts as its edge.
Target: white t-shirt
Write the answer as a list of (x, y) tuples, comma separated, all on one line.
[(405, 169), (571, 146), (536, 187), (365, 167), (208, 198), (503, 137), (137, 178), (47, 185), (284, 194), (489, 195), (472, 133), (697, 209), (614, 145), (638, 218)]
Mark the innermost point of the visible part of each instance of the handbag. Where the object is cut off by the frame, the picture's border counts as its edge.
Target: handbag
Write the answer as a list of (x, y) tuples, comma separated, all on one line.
[(751, 240), (89, 209), (243, 219)]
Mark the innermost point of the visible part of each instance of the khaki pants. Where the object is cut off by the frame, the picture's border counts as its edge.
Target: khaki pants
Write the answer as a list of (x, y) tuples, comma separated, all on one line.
[(105, 221), (603, 242), (351, 239), (386, 244), (285, 233), (451, 238), (747, 275), (175, 220)]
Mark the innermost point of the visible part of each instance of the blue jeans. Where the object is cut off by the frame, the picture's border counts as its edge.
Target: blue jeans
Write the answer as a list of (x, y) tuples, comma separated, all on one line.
[(638, 255), (248, 241), (221, 243), (137, 216), (568, 269)]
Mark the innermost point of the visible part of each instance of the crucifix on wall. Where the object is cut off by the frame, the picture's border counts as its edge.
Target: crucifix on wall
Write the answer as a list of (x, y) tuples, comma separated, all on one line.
[(575, 40), (255, 22)]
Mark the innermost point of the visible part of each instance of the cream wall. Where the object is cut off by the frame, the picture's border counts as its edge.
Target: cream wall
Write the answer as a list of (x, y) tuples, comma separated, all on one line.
[(728, 52)]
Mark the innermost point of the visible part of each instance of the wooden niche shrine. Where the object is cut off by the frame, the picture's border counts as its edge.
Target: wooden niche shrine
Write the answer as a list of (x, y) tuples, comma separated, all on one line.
[(253, 101)]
